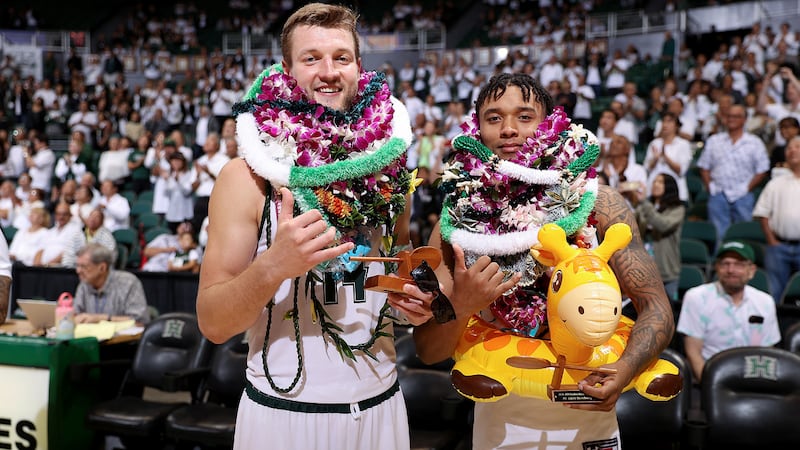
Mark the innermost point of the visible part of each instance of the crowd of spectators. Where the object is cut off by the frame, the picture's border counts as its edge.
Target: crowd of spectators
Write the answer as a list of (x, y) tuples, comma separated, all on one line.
[(172, 133)]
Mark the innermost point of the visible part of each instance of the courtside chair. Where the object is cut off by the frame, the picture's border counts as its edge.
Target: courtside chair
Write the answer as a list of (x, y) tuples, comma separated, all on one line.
[(170, 344), (645, 424), (751, 399), (154, 232), (791, 339), (212, 420), (146, 221)]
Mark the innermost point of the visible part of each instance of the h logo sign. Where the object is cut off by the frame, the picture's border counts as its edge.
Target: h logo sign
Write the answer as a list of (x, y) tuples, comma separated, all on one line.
[(761, 367), (173, 329)]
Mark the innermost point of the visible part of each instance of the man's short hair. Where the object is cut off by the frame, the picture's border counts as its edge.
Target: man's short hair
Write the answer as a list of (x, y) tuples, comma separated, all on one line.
[(498, 84), (320, 15), (98, 253)]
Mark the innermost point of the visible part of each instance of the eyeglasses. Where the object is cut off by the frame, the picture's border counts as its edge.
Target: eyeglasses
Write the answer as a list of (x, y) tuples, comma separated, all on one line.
[(733, 264)]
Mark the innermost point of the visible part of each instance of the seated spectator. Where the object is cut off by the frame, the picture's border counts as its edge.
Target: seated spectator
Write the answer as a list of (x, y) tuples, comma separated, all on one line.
[(23, 209), (96, 232), (161, 247), (64, 238), (8, 203), (23, 189), (116, 208), (71, 165), (188, 258), (28, 240), (727, 313), (104, 293)]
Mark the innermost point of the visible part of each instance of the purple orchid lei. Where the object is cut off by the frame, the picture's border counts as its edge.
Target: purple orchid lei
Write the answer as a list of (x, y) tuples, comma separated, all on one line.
[(317, 136), (491, 202)]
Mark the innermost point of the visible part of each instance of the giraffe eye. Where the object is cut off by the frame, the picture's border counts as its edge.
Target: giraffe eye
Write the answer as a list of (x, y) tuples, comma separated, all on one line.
[(557, 278)]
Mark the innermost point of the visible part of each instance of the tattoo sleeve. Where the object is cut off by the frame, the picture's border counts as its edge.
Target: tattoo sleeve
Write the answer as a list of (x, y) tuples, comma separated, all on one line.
[(640, 280)]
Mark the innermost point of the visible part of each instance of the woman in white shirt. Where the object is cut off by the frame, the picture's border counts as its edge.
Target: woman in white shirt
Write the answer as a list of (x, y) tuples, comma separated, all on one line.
[(670, 154), (28, 241), (179, 191)]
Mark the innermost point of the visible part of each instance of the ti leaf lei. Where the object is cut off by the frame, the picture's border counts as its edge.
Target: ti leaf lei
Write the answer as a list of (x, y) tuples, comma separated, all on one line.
[(495, 207)]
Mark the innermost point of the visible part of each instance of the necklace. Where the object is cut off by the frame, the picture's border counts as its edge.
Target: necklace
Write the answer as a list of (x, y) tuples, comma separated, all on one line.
[(495, 207), (348, 165)]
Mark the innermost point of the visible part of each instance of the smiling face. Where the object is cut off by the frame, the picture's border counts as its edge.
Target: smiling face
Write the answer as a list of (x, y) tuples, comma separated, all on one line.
[(325, 64), (506, 122)]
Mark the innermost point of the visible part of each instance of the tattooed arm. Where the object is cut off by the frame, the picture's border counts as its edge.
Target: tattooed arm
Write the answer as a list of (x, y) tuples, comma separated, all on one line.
[(639, 279)]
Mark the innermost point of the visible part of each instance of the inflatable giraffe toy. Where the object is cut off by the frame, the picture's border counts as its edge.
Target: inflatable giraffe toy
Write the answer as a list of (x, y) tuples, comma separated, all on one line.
[(587, 330)]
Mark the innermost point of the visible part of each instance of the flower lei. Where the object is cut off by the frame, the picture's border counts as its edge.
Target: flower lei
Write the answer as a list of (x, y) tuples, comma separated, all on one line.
[(495, 207), (348, 165), (345, 164)]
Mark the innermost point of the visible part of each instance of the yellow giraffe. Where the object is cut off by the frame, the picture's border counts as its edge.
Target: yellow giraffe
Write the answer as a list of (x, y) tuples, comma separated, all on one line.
[(586, 328)]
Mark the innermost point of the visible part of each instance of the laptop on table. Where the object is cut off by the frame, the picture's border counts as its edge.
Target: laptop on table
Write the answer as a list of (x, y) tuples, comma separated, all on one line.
[(40, 313)]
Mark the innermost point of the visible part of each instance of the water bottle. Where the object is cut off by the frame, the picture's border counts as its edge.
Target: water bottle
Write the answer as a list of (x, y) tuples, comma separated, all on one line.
[(65, 317)]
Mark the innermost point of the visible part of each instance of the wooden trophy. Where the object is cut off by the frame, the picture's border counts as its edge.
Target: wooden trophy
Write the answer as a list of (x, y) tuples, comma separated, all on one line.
[(558, 392), (407, 261)]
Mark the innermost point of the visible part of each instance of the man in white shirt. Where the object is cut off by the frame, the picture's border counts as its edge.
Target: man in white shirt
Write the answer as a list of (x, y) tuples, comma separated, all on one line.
[(83, 120), (40, 162), (206, 170), (115, 207), (64, 238)]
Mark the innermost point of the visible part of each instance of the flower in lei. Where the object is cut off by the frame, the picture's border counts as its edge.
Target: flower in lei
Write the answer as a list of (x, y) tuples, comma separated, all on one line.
[(495, 207), (344, 163)]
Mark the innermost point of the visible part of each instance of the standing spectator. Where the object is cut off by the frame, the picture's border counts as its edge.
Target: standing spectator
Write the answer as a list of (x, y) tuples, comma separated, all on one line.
[(777, 211), (71, 165), (207, 169), (83, 120), (206, 124), (584, 96), (139, 173), (615, 71), (113, 164), (116, 208), (179, 190), (40, 162), (134, 128), (660, 219), (669, 154), (104, 293), (732, 164), (157, 160), (221, 100), (779, 110), (727, 313)]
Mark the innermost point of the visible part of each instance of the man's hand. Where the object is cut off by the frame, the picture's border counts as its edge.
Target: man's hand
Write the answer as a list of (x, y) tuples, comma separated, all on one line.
[(604, 386), (301, 242), (416, 305), (477, 287)]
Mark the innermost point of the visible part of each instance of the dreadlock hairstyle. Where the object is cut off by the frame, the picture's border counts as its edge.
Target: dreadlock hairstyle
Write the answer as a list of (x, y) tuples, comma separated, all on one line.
[(498, 84)]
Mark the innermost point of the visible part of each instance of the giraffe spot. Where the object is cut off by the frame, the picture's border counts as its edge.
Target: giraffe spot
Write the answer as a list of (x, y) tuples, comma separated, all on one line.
[(495, 340), (526, 347)]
